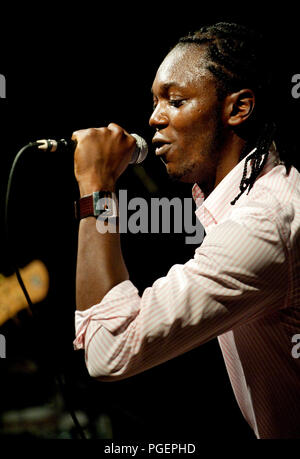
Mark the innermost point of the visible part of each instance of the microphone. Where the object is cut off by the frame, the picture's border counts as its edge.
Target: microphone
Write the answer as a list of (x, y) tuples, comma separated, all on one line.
[(139, 154)]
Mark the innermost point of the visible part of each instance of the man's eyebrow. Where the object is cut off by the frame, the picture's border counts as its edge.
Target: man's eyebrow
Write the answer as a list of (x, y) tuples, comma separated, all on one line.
[(166, 86)]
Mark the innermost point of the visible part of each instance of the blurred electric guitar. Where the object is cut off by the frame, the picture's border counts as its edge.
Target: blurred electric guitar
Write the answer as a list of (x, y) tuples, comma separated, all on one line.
[(12, 299)]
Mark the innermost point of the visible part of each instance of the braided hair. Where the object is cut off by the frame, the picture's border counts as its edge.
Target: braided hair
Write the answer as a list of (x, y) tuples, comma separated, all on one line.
[(237, 57)]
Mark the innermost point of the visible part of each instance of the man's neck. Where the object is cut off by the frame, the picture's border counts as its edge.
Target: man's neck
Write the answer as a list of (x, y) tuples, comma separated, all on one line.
[(229, 158)]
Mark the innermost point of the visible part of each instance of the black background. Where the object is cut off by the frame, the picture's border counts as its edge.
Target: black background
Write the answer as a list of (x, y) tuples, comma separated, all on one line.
[(72, 67)]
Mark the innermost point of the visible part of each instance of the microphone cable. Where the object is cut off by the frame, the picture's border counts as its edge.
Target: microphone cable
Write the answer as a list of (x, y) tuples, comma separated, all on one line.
[(60, 379)]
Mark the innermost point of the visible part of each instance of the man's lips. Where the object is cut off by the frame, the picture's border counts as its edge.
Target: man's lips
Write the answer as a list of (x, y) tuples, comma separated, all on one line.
[(161, 145), (162, 149)]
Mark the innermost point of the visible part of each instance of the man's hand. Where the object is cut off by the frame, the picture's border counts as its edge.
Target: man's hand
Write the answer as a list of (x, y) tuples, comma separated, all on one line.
[(101, 156)]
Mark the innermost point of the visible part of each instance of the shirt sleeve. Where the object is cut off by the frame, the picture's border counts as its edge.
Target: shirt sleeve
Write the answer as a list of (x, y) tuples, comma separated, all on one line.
[(238, 274)]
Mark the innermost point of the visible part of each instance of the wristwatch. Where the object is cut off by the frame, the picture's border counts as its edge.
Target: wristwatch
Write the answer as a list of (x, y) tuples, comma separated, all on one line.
[(99, 203)]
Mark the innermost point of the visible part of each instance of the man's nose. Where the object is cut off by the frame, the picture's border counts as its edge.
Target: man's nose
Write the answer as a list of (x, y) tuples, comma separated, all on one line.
[(159, 118)]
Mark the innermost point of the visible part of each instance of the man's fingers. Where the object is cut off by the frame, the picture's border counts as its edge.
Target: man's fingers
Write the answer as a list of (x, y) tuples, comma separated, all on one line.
[(115, 127), (77, 135), (113, 132), (118, 130)]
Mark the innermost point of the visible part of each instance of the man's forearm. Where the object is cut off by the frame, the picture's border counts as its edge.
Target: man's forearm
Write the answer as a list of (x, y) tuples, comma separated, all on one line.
[(101, 156), (100, 264)]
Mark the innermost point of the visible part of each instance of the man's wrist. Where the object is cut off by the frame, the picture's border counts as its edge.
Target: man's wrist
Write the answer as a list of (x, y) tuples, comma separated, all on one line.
[(90, 188), (100, 204)]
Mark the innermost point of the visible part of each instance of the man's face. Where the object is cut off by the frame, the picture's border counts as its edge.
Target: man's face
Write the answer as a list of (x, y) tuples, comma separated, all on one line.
[(187, 117)]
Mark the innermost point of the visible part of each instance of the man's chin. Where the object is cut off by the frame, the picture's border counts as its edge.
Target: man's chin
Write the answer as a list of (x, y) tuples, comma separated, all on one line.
[(180, 176), (173, 175)]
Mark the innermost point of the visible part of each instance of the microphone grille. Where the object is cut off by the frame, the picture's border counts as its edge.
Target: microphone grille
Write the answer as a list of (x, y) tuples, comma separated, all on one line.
[(141, 150)]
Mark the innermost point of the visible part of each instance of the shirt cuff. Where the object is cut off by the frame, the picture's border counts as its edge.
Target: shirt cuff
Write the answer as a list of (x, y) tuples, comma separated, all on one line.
[(113, 312)]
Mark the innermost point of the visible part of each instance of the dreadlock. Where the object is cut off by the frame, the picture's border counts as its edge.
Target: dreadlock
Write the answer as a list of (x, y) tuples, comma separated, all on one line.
[(237, 57)]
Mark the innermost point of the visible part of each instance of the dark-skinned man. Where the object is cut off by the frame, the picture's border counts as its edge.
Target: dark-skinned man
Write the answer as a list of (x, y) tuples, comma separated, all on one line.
[(213, 129)]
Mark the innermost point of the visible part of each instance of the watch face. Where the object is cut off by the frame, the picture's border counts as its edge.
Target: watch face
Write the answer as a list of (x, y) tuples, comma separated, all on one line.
[(104, 204)]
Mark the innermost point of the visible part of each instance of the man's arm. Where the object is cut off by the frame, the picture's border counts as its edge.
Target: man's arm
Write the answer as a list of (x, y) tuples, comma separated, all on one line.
[(228, 283), (100, 264), (100, 158)]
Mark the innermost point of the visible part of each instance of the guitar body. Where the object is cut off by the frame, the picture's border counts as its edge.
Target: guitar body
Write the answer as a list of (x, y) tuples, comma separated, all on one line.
[(12, 299)]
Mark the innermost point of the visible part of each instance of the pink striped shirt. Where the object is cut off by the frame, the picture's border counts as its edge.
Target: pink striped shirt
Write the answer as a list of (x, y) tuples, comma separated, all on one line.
[(242, 286)]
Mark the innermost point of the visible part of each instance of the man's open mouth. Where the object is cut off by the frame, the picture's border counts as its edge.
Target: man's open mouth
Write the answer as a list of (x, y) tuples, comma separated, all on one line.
[(161, 148)]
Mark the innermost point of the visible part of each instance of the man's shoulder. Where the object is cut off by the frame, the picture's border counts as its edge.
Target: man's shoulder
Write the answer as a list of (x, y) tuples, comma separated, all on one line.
[(277, 196), (265, 209)]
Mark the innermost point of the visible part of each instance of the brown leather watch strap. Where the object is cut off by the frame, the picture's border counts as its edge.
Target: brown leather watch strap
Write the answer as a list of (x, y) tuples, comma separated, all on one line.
[(94, 205), (84, 207)]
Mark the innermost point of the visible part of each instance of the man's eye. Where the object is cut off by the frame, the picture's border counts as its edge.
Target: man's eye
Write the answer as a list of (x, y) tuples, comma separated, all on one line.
[(176, 102)]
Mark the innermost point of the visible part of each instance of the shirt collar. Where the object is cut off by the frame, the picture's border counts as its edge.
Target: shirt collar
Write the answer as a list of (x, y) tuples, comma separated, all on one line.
[(217, 205)]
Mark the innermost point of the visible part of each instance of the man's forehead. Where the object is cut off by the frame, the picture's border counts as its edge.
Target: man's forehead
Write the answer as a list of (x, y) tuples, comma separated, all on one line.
[(164, 87), (184, 64)]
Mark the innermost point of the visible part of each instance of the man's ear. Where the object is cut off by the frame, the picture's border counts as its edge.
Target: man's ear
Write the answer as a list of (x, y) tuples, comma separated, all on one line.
[(239, 106)]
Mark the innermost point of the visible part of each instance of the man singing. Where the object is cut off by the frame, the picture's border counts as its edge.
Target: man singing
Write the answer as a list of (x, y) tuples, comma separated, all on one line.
[(214, 128)]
